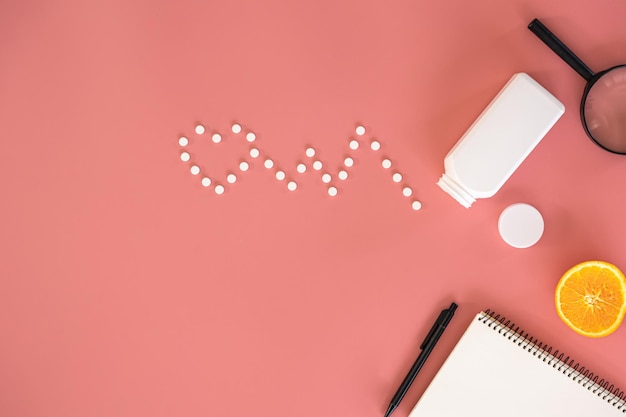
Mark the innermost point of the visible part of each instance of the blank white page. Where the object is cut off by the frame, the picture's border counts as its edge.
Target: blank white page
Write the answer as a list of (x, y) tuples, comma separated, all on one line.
[(488, 374)]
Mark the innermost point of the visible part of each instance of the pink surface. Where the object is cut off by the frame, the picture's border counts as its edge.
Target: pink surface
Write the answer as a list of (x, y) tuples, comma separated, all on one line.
[(128, 289)]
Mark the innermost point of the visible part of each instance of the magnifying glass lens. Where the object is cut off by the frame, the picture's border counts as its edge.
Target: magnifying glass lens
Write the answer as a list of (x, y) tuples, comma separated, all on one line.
[(605, 110)]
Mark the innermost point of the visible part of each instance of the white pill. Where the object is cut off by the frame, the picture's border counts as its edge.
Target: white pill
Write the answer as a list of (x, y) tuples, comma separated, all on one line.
[(206, 181), (292, 185), (243, 166), (386, 163), (416, 205), (200, 129), (343, 175), (375, 145), (236, 128), (360, 130), (185, 156), (268, 163), (216, 138), (301, 168), (354, 144), (183, 141), (195, 170), (231, 178), (250, 137), (254, 152), (407, 191), (326, 178), (219, 189), (317, 165), (332, 191), (348, 162), (397, 177), (280, 175), (310, 152)]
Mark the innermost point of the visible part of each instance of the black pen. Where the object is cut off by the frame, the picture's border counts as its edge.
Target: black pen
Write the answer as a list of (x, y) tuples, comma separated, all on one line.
[(426, 347)]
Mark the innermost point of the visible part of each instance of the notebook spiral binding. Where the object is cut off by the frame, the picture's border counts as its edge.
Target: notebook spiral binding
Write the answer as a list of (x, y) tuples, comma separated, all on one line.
[(564, 364)]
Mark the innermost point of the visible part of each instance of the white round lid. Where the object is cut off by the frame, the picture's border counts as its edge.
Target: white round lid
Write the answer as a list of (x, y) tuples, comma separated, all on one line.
[(520, 225)]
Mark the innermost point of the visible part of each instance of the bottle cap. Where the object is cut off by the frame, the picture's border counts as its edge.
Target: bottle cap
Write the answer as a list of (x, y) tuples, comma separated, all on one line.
[(520, 225)]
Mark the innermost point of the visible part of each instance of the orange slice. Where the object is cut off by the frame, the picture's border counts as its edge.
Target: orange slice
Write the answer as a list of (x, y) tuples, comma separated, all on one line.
[(591, 298)]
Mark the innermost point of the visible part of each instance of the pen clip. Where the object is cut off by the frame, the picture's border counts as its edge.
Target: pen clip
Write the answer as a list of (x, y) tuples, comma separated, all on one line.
[(444, 318), (432, 331)]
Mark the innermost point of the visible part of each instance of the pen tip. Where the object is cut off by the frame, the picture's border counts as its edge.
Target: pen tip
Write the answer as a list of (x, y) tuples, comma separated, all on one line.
[(390, 410)]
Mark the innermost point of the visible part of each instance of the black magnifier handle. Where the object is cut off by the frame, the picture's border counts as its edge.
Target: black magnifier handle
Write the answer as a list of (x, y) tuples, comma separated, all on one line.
[(560, 49)]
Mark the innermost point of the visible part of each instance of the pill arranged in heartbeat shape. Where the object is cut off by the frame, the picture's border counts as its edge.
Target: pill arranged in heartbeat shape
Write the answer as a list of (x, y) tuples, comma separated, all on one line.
[(331, 178)]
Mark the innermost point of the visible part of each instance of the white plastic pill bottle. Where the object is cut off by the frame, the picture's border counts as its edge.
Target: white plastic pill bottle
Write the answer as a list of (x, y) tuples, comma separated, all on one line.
[(499, 140)]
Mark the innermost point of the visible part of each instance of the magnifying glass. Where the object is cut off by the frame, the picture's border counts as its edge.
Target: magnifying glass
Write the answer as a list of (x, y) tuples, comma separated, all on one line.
[(603, 106)]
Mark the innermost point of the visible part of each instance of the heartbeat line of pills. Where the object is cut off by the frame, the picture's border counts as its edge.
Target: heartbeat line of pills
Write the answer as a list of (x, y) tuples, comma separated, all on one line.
[(310, 162)]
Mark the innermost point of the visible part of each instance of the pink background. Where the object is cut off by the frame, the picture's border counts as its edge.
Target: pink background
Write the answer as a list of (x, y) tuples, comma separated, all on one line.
[(128, 289)]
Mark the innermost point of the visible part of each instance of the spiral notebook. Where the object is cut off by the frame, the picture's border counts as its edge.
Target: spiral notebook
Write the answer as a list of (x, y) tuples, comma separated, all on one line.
[(496, 369)]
